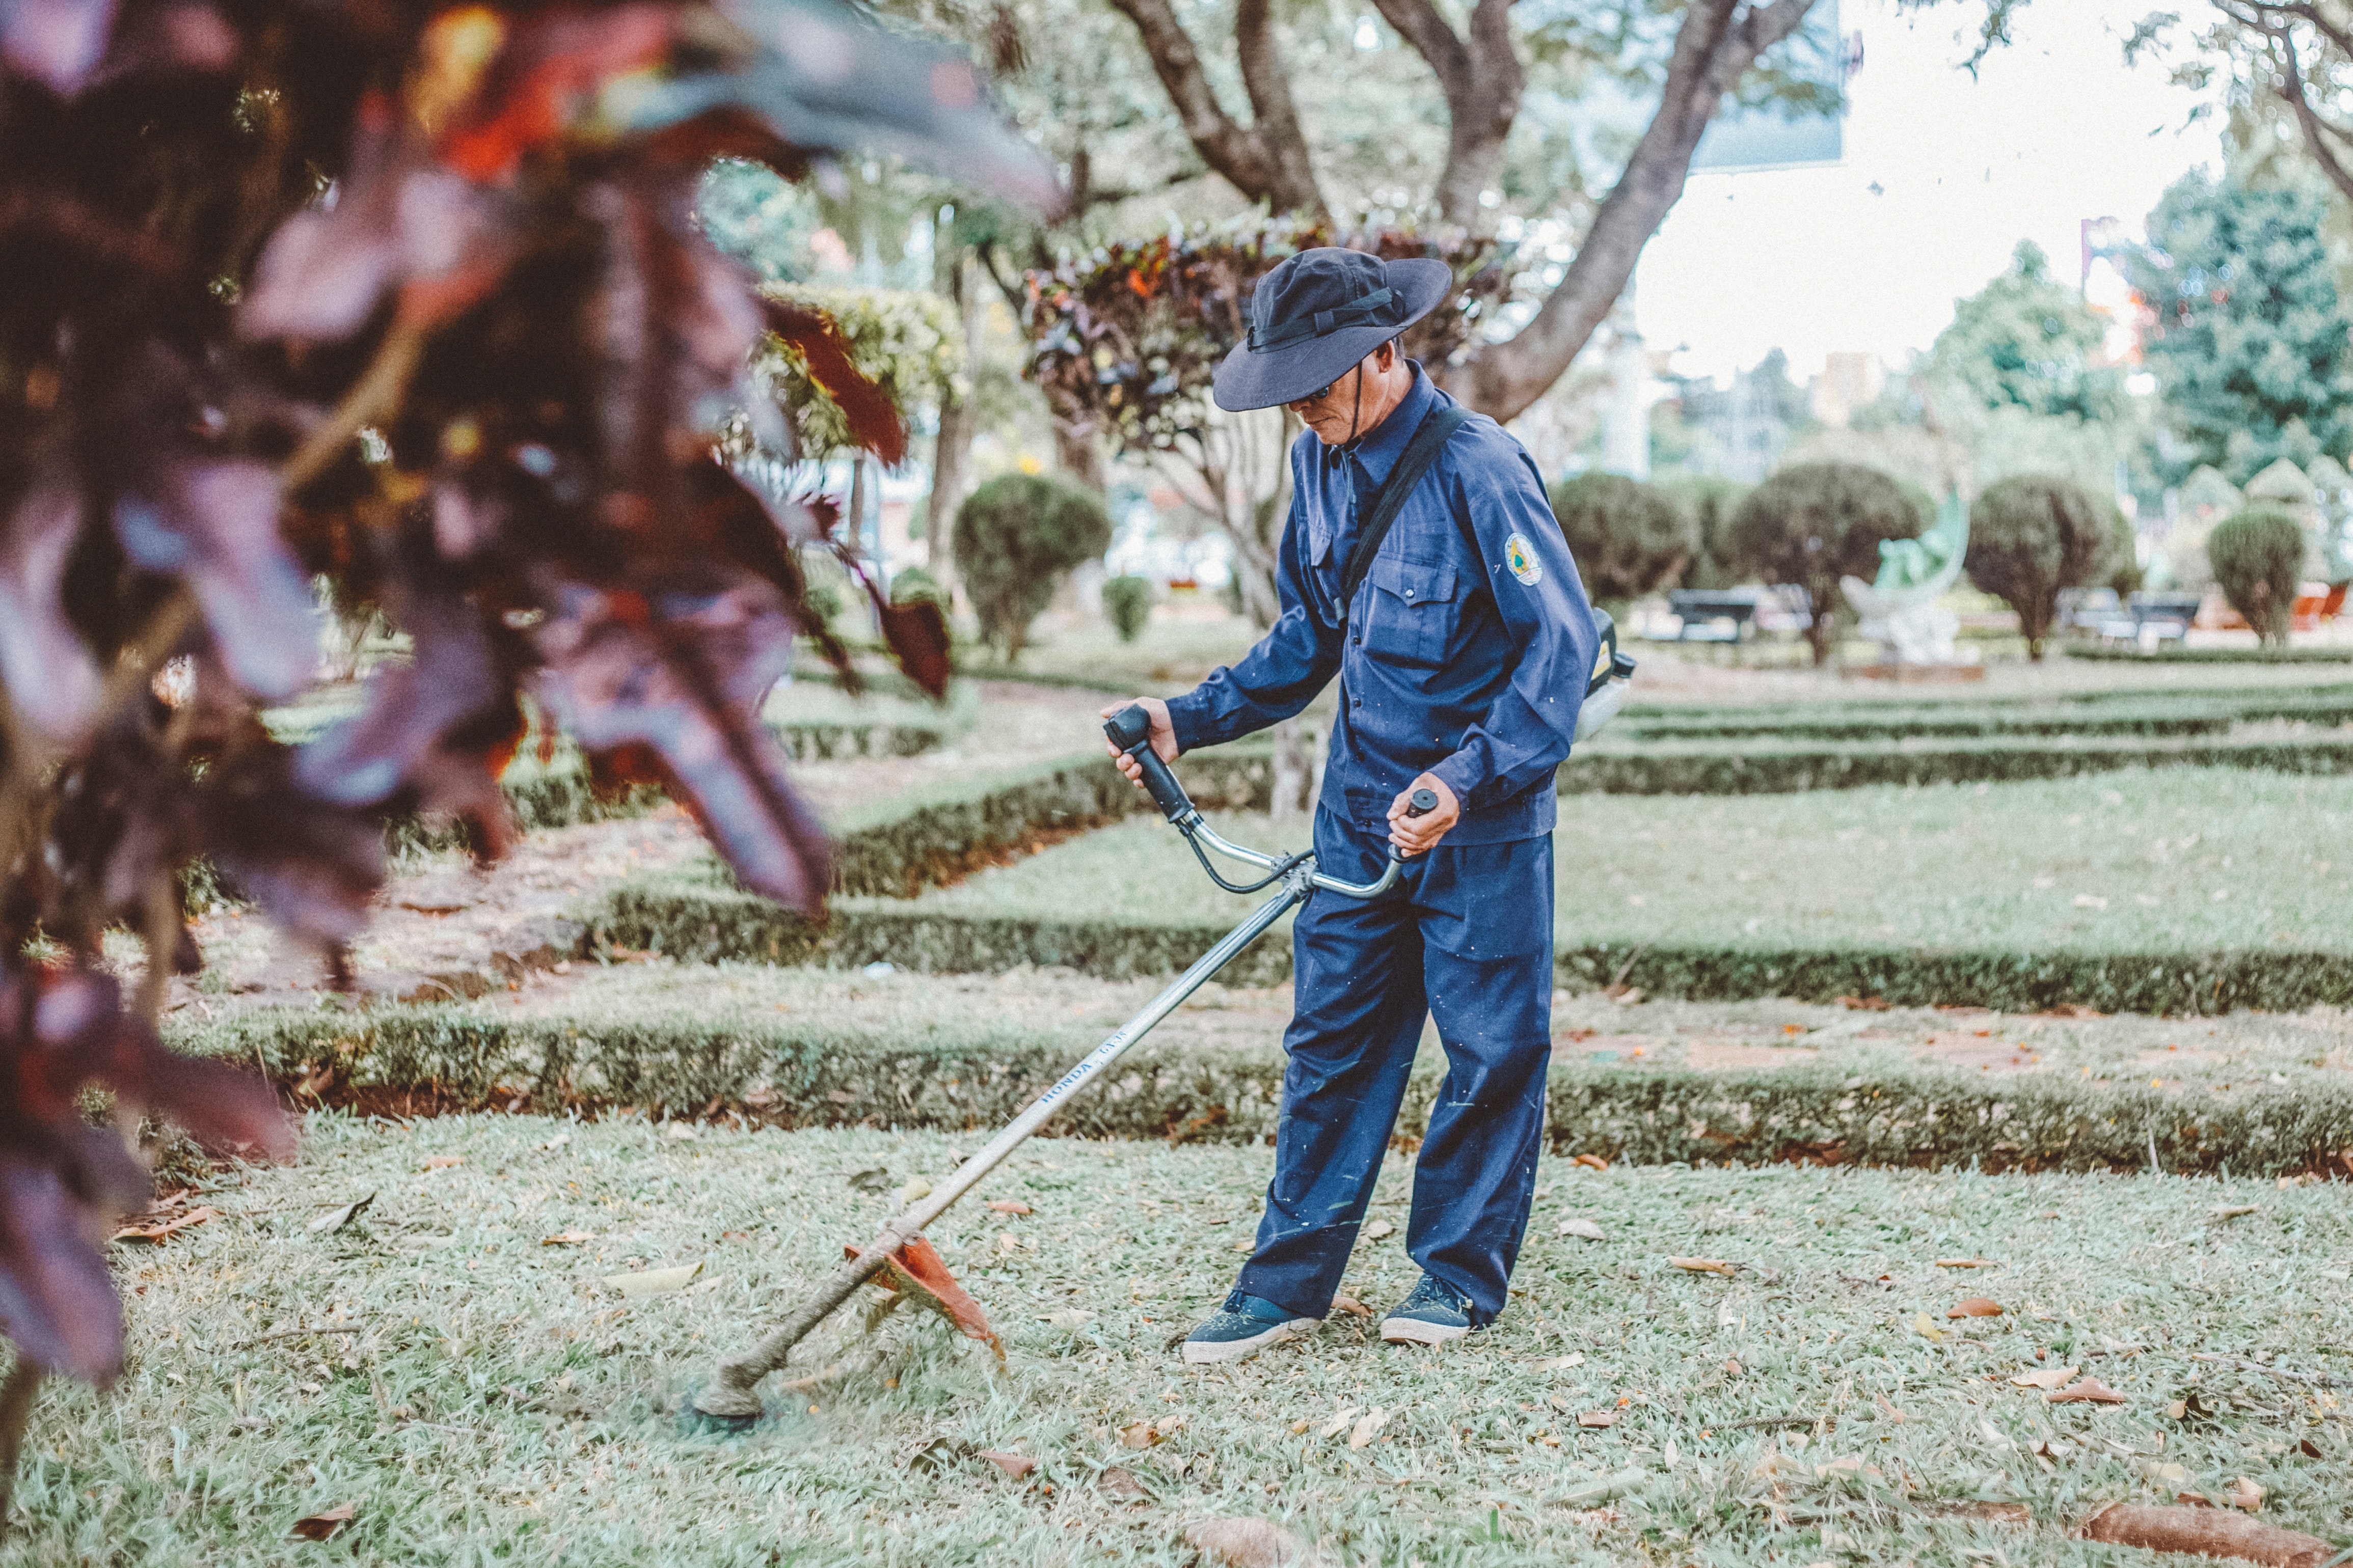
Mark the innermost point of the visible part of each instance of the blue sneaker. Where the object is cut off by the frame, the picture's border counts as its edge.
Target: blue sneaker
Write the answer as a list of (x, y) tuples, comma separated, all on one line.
[(1244, 1326), (1432, 1315)]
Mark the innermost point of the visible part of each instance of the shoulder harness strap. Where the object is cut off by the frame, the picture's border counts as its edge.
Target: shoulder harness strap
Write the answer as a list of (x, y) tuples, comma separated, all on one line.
[(1429, 437)]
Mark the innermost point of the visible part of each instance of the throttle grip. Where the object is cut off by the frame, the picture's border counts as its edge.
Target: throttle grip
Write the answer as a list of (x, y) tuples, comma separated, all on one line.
[(1129, 730)]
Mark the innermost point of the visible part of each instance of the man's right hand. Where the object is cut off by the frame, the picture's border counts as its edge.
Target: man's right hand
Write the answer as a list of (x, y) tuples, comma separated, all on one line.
[(1164, 737)]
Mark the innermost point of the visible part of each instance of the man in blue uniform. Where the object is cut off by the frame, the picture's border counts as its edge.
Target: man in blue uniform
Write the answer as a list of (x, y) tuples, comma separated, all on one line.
[(1462, 655)]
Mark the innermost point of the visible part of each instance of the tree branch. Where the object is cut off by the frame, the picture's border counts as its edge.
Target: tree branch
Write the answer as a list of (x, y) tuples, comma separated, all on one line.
[(1268, 82), (2291, 90), (1482, 79), (1249, 158), (1715, 45)]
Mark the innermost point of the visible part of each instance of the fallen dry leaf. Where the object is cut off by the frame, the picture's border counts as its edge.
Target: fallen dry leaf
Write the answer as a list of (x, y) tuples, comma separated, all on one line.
[(1339, 1424), (1925, 1327), (2205, 1531), (1975, 1307), (2245, 1494), (1011, 1206), (2232, 1211), (567, 1239), (1889, 1410), (1598, 1418), (915, 1188), (320, 1526), (1967, 1263), (1705, 1266), (1245, 1245), (2176, 1409), (1013, 1465), (1377, 1229), (1591, 1162), (443, 1161), (1350, 1305), (333, 1222), (1583, 1229), (167, 1228), (1245, 1543), (1368, 1427), (655, 1281), (1141, 1434), (1070, 1319), (2048, 1377), (2090, 1391), (1121, 1483)]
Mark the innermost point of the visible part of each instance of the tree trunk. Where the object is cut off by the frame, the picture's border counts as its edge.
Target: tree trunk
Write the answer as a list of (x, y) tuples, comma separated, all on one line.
[(1715, 45), (1078, 445), (952, 451)]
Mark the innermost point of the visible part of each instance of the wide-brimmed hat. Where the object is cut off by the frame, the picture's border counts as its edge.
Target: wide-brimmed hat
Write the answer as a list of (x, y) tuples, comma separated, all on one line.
[(1318, 315)]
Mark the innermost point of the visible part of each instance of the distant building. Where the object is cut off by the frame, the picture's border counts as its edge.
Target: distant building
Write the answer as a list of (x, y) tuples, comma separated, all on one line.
[(1850, 383)]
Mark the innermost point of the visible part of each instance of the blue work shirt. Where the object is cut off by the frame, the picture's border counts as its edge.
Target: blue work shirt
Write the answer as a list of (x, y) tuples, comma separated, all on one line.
[(1468, 645)]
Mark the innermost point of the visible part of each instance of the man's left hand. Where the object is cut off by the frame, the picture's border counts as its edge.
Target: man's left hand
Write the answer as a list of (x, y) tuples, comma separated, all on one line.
[(1419, 835)]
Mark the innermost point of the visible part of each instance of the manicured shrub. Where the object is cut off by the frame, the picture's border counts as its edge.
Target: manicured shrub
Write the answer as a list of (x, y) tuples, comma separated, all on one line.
[(2122, 569), (1128, 601), (1017, 537), (2258, 557), (2029, 536), (1709, 501), (1813, 523), (1628, 539), (915, 585)]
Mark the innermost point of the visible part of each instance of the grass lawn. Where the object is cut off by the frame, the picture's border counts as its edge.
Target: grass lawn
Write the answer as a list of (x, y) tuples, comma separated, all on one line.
[(488, 1398), (2176, 859)]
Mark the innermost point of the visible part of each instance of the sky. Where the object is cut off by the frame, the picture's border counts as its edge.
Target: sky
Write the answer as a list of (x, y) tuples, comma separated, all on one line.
[(1943, 176)]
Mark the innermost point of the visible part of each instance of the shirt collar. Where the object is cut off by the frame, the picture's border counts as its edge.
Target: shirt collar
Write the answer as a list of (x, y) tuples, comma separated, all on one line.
[(1377, 452)]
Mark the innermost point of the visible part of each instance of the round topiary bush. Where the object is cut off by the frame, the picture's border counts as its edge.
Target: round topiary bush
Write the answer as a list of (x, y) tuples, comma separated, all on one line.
[(1017, 537), (1627, 538), (915, 585), (1128, 600), (1709, 501), (2031, 535), (1813, 523), (2258, 557)]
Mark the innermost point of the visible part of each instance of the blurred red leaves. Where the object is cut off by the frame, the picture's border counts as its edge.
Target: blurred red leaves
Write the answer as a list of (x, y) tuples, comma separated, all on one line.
[(410, 304)]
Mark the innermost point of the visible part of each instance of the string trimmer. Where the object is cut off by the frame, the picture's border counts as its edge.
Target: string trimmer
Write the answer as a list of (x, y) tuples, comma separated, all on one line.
[(729, 1400)]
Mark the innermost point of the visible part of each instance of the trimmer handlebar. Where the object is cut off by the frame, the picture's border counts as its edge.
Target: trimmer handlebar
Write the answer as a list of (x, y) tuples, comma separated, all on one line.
[(1129, 730)]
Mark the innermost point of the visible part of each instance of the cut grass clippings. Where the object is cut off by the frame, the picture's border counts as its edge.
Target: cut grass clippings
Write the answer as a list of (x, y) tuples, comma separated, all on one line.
[(818, 1049), (476, 1394)]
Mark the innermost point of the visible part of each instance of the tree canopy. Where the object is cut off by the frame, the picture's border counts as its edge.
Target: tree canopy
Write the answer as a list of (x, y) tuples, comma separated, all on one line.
[(2028, 340), (2251, 345)]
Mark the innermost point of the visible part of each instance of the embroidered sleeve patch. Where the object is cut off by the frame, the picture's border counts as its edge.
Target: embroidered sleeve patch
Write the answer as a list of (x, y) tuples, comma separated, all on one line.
[(1521, 557)]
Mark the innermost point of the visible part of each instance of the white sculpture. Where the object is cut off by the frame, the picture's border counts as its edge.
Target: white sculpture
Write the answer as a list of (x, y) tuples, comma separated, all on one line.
[(1899, 609)]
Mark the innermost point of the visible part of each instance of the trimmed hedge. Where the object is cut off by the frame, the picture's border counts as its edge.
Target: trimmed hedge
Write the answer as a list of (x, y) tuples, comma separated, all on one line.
[(940, 832), (2154, 983), (795, 1075), (2214, 654), (2206, 714), (703, 922), (1614, 767)]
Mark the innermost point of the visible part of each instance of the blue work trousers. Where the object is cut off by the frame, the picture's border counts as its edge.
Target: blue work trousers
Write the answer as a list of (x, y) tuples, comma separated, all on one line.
[(1466, 938)]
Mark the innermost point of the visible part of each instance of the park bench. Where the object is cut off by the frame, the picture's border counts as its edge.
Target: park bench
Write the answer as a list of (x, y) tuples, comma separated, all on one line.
[(1713, 614)]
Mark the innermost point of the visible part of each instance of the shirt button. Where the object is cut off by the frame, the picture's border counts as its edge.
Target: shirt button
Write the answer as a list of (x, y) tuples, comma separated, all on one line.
[(1408, 593)]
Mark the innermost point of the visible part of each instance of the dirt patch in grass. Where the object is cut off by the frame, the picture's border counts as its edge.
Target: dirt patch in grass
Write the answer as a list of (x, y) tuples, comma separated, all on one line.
[(454, 1364)]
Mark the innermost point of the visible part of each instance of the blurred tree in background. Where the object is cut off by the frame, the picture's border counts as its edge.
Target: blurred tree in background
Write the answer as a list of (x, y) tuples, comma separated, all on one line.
[(1812, 523), (2258, 559), (1628, 539), (2028, 340), (2030, 536), (2251, 345), (1017, 537)]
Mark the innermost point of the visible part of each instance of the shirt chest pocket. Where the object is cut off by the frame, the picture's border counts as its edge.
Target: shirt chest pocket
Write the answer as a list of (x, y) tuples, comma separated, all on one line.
[(1412, 614)]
